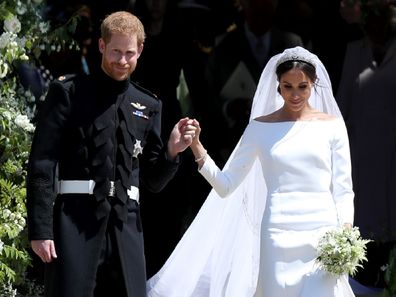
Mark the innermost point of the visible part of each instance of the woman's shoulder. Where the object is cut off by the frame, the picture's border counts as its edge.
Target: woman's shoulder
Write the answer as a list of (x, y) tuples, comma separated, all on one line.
[(266, 118), (321, 116), (277, 116)]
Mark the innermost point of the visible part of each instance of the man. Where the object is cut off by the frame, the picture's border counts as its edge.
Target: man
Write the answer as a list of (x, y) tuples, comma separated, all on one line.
[(98, 139)]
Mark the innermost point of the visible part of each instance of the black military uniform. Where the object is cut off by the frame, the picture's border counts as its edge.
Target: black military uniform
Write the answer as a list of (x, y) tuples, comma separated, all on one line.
[(104, 137)]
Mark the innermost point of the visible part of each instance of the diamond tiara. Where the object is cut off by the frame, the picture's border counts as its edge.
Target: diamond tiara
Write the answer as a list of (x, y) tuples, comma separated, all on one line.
[(297, 54)]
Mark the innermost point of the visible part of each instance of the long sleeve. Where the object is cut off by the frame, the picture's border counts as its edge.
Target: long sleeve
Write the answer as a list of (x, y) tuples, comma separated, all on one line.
[(43, 160), (225, 181), (341, 175)]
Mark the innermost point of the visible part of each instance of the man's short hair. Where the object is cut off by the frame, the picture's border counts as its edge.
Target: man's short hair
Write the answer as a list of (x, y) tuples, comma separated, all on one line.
[(122, 22)]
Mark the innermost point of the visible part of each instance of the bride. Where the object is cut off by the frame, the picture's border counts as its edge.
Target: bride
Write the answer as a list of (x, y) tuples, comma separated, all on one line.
[(287, 182)]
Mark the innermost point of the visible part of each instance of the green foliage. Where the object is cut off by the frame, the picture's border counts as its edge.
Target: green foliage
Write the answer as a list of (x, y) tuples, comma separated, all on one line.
[(14, 145), (390, 275), (24, 36)]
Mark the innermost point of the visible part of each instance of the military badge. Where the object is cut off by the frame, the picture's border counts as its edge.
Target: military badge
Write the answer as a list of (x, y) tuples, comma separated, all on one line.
[(137, 148), (138, 106), (140, 114)]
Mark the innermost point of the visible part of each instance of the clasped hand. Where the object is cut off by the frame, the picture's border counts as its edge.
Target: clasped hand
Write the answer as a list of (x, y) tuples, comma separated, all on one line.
[(182, 136)]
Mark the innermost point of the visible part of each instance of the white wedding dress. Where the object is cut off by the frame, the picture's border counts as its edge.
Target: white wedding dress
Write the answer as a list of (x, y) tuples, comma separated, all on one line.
[(307, 173)]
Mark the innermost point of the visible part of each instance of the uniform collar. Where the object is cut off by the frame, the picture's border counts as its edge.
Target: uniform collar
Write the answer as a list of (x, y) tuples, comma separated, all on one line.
[(109, 85)]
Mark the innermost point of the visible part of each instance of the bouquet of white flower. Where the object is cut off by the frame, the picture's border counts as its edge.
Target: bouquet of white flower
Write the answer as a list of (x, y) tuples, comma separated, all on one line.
[(341, 251)]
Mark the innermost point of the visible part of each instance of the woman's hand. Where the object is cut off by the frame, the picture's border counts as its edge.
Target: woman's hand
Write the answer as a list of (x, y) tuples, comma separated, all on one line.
[(195, 140), (196, 146)]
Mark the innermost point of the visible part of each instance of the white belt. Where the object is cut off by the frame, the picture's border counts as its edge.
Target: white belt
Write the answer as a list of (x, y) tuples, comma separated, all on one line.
[(87, 187)]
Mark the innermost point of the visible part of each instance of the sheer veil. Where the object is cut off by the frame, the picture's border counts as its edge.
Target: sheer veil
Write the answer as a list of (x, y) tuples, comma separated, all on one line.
[(219, 253)]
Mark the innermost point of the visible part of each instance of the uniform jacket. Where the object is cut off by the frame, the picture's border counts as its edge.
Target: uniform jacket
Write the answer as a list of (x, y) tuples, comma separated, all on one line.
[(94, 128)]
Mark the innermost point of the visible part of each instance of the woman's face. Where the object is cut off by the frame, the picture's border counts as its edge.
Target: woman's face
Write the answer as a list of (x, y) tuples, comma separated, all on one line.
[(295, 88)]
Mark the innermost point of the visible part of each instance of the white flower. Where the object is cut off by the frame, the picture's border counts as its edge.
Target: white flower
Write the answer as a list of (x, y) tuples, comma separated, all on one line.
[(341, 251), (23, 57), (1, 246), (21, 8), (3, 69), (12, 24), (5, 38), (44, 27), (22, 222), (6, 213), (21, 41), (23, 122), (29, 96), (7, 115)]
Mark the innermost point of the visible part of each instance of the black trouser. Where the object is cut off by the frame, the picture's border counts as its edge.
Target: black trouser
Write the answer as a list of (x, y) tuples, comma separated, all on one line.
[(109, 278)]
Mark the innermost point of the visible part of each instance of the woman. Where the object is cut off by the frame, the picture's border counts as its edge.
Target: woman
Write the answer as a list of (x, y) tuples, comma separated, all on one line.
[(294, 154)]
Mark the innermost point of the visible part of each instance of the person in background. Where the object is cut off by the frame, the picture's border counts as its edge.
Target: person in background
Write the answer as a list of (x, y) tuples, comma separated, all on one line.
[(286, 183), (233, 71), (343, 16), (367, 102), (97, 141)]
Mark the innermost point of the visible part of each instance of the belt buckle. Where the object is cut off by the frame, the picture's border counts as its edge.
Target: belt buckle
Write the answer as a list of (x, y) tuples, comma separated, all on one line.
[(112, 189)]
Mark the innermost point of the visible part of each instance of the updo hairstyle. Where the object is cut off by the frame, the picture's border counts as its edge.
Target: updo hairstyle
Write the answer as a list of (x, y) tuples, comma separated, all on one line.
[(304, 66)]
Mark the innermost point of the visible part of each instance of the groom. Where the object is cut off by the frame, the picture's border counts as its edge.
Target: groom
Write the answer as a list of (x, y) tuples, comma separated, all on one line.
[(100, 135)]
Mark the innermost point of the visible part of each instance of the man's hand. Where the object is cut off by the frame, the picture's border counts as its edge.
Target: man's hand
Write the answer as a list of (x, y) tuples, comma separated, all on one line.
[(45, 249), (181, 137)]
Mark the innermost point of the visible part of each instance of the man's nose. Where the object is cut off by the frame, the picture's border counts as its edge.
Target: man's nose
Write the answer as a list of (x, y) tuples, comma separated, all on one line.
[(122, 59)]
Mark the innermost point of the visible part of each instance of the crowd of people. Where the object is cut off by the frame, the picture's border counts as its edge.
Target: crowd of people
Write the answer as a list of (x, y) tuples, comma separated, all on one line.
[(206, 60)]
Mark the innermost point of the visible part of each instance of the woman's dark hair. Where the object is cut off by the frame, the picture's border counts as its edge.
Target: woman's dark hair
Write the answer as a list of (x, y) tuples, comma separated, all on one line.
[(305, 67)]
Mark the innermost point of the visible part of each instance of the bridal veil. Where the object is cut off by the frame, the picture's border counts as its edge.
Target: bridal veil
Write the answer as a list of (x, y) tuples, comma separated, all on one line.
[(219, 253)]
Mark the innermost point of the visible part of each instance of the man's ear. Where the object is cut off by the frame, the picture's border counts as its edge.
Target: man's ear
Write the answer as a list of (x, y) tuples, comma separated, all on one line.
[(140, 50), (102, 45)]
